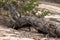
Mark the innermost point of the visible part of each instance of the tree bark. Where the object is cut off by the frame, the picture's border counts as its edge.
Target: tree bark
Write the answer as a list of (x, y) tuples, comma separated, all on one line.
[(51, 8)]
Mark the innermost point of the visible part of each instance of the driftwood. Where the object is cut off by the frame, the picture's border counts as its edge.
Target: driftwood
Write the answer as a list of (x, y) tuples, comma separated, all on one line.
[(52, 9), (52, 1), (38, 23)]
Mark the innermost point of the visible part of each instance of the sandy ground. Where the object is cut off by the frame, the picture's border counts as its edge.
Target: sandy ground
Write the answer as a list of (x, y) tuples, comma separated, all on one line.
[(11, 34)]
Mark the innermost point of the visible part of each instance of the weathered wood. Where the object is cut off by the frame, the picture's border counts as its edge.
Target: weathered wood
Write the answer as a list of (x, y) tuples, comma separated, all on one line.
[(52, 9), (42, 25), (13, 11), (54, 1)]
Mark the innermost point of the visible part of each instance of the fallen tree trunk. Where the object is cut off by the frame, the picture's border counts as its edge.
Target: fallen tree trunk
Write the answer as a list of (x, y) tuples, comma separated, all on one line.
[(52, 9), (52, 1), (38, 23)]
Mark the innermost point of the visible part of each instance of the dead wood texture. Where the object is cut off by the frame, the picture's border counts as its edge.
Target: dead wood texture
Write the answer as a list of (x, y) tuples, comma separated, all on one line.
[(37, 23)]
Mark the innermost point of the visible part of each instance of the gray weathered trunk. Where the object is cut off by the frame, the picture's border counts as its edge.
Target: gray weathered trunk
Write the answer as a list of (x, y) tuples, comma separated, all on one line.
[(55, 1)]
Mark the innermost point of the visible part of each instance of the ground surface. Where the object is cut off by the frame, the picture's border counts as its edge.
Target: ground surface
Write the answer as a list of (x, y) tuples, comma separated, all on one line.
[(11, 34)]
